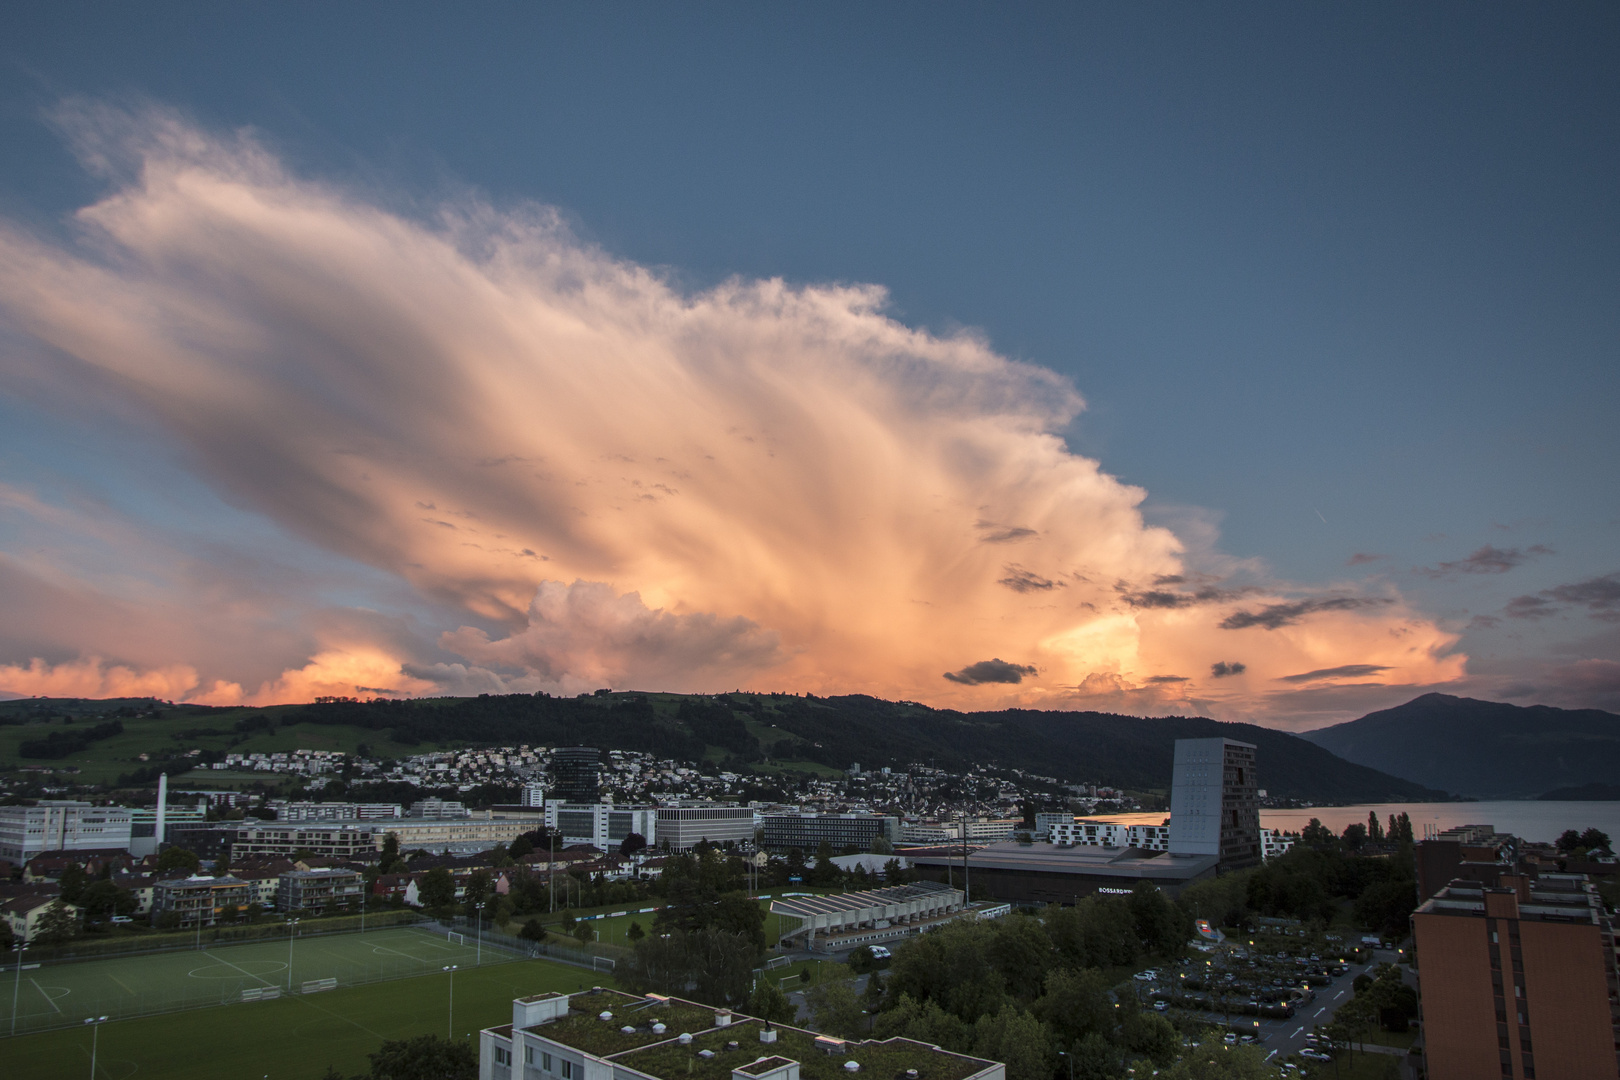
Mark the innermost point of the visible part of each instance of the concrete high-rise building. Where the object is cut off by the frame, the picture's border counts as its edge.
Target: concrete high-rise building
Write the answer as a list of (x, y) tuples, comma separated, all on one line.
[(576, 773), (685, 824), (1516, 980), (1214, 801), (61, 825)]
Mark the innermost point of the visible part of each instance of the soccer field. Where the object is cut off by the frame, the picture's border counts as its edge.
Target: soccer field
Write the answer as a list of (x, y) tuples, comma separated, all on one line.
[(292, 1037), (55, 995)]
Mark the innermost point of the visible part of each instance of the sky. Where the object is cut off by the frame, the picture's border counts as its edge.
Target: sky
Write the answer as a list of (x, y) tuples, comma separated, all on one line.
[(1256, 362)]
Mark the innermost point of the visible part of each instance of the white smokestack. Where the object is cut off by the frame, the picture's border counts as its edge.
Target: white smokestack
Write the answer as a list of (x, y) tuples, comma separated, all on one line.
[(162, 805)]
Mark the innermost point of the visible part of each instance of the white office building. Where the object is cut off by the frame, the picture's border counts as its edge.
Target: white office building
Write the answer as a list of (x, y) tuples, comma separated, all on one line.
[(1274, 843), (61, 825), (602, 825), (686, 824)]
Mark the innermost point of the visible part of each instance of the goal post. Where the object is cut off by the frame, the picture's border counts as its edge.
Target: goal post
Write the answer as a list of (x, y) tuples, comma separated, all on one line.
[(459, 939)]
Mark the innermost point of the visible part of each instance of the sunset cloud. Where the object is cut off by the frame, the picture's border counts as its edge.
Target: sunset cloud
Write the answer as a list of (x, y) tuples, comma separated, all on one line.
[(617, 482)]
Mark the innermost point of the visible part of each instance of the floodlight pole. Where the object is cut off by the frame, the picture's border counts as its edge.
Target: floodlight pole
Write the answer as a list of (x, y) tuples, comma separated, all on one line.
[(21, 945), (450, 1013), (291, 923)]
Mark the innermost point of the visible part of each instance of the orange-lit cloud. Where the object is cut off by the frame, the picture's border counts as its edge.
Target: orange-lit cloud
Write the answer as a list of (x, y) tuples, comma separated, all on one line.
[(627, 484)]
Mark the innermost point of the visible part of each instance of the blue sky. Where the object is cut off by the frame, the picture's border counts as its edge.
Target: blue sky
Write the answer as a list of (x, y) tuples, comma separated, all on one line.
[(1332, 281)]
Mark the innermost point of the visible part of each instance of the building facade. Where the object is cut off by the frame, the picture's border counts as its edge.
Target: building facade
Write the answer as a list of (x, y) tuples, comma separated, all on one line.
[(1098, 832), (601, 825), (683, 826), (1517, 980), (1214, 801), (807, 832), (60, 825), (335, 840), (576, 773), (201, 898), (286, 810), (317, 890)]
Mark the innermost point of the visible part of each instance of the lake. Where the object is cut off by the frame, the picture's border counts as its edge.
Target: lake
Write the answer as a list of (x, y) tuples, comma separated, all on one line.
[(1528, 820)]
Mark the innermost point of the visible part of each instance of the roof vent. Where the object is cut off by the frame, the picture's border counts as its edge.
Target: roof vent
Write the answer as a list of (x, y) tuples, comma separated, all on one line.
[(658, 1028), (628, 1030), (911, 1074), (852, 1066), (705, 1054), (685, 1038), (604, 1015), (733, 1045)]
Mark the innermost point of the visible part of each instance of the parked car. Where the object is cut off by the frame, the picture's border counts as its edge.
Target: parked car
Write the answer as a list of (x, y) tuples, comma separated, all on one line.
[(1315, 1055)]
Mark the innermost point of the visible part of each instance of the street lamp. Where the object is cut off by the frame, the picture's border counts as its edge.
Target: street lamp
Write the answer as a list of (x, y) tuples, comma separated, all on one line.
[(291, 923), (19, 946), (1065, 1054), (449, 1019), (95, 1023)]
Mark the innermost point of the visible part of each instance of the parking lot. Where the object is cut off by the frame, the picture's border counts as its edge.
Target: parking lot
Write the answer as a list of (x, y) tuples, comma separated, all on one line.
[(1271, 989)]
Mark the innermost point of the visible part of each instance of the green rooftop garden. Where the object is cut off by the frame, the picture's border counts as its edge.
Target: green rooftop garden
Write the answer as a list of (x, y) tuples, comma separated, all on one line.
[(582, 1029), (878, 1060)]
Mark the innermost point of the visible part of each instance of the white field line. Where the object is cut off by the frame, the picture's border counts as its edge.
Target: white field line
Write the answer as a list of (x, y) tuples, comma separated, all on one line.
[(219, 959), (46, 996)]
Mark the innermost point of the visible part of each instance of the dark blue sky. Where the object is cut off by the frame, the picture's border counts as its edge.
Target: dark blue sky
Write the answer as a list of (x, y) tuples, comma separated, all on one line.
[(1334, 279)]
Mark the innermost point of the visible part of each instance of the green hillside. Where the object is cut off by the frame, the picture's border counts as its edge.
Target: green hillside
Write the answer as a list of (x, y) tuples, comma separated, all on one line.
[(764, 733)]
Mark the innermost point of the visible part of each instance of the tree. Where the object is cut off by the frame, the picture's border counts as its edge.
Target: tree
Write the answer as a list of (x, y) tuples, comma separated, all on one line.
[(7, 938), (73, 882), (533, 931), (631, 844), (1316, 835), (57, 924), (1222, 1063), (1568, 840), (103, 899), (881, 846), (635, 933), (926, 1022), (1076, 1004), (585, 933), (1595, 840), (1355, 836), (178, 858), (1018, 1040), (479, 886), (426, 1057), (836, 1009), (1095, 1058), (1375, 829), (438, 889), (769, 1003), (521, 847), (388, 861), (1151, 1034), (1386, 906)]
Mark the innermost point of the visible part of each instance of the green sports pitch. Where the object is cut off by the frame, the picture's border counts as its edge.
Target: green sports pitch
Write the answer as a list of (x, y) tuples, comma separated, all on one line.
[(60, 994)]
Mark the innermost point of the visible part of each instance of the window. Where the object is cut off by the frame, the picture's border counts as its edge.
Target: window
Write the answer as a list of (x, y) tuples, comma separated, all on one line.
[(567, 1069), (545, 1062), (528, 1055)]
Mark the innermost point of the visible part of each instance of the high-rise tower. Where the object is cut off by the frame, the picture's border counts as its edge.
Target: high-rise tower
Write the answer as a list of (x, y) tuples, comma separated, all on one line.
[(1214, 802), (576, 774)]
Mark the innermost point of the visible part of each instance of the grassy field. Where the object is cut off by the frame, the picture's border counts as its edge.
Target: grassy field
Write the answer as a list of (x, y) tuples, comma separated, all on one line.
[(55, 994), (291, 1038)]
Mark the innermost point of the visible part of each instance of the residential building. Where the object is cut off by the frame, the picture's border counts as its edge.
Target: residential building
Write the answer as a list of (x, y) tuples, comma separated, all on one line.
[(60, 825), (602, 825), (1474, 852), (986, 830), (534, 794), (576, 773), (437, 809), (1517, 980), (1274, 843), (336, 840), (683, 825), (1045, 821), (1100, 832), (22, 913), (807, 832), (930, 832), (317, 890), (1214, 801), (200, 898), (209, 840), (609, 1035)]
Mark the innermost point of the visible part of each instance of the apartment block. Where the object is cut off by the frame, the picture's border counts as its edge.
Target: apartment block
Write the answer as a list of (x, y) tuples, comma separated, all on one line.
[(317, 890), (201, 898), (1518, 981)]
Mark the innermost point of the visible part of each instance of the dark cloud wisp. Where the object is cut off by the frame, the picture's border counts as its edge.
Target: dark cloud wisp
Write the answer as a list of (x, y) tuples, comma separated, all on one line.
[(1223, 668), (1020, 580), (1273, 616), (1344, 671), (1487, 560), (1600, 596), (991, 671)]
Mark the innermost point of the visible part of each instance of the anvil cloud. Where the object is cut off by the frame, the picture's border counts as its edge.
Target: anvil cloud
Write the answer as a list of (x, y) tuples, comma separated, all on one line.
[(618, 482)]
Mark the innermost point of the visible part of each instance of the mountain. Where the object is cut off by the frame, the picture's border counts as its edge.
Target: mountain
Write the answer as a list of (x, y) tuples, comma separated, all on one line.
[(1483, 749), (760, 733)]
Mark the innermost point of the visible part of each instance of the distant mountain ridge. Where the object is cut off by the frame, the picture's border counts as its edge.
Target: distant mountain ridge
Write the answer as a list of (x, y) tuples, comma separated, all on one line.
[(1482, 749), (763, 733)]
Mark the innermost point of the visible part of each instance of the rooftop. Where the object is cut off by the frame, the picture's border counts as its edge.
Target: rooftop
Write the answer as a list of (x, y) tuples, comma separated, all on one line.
[(1082, 859), (805, 906)]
